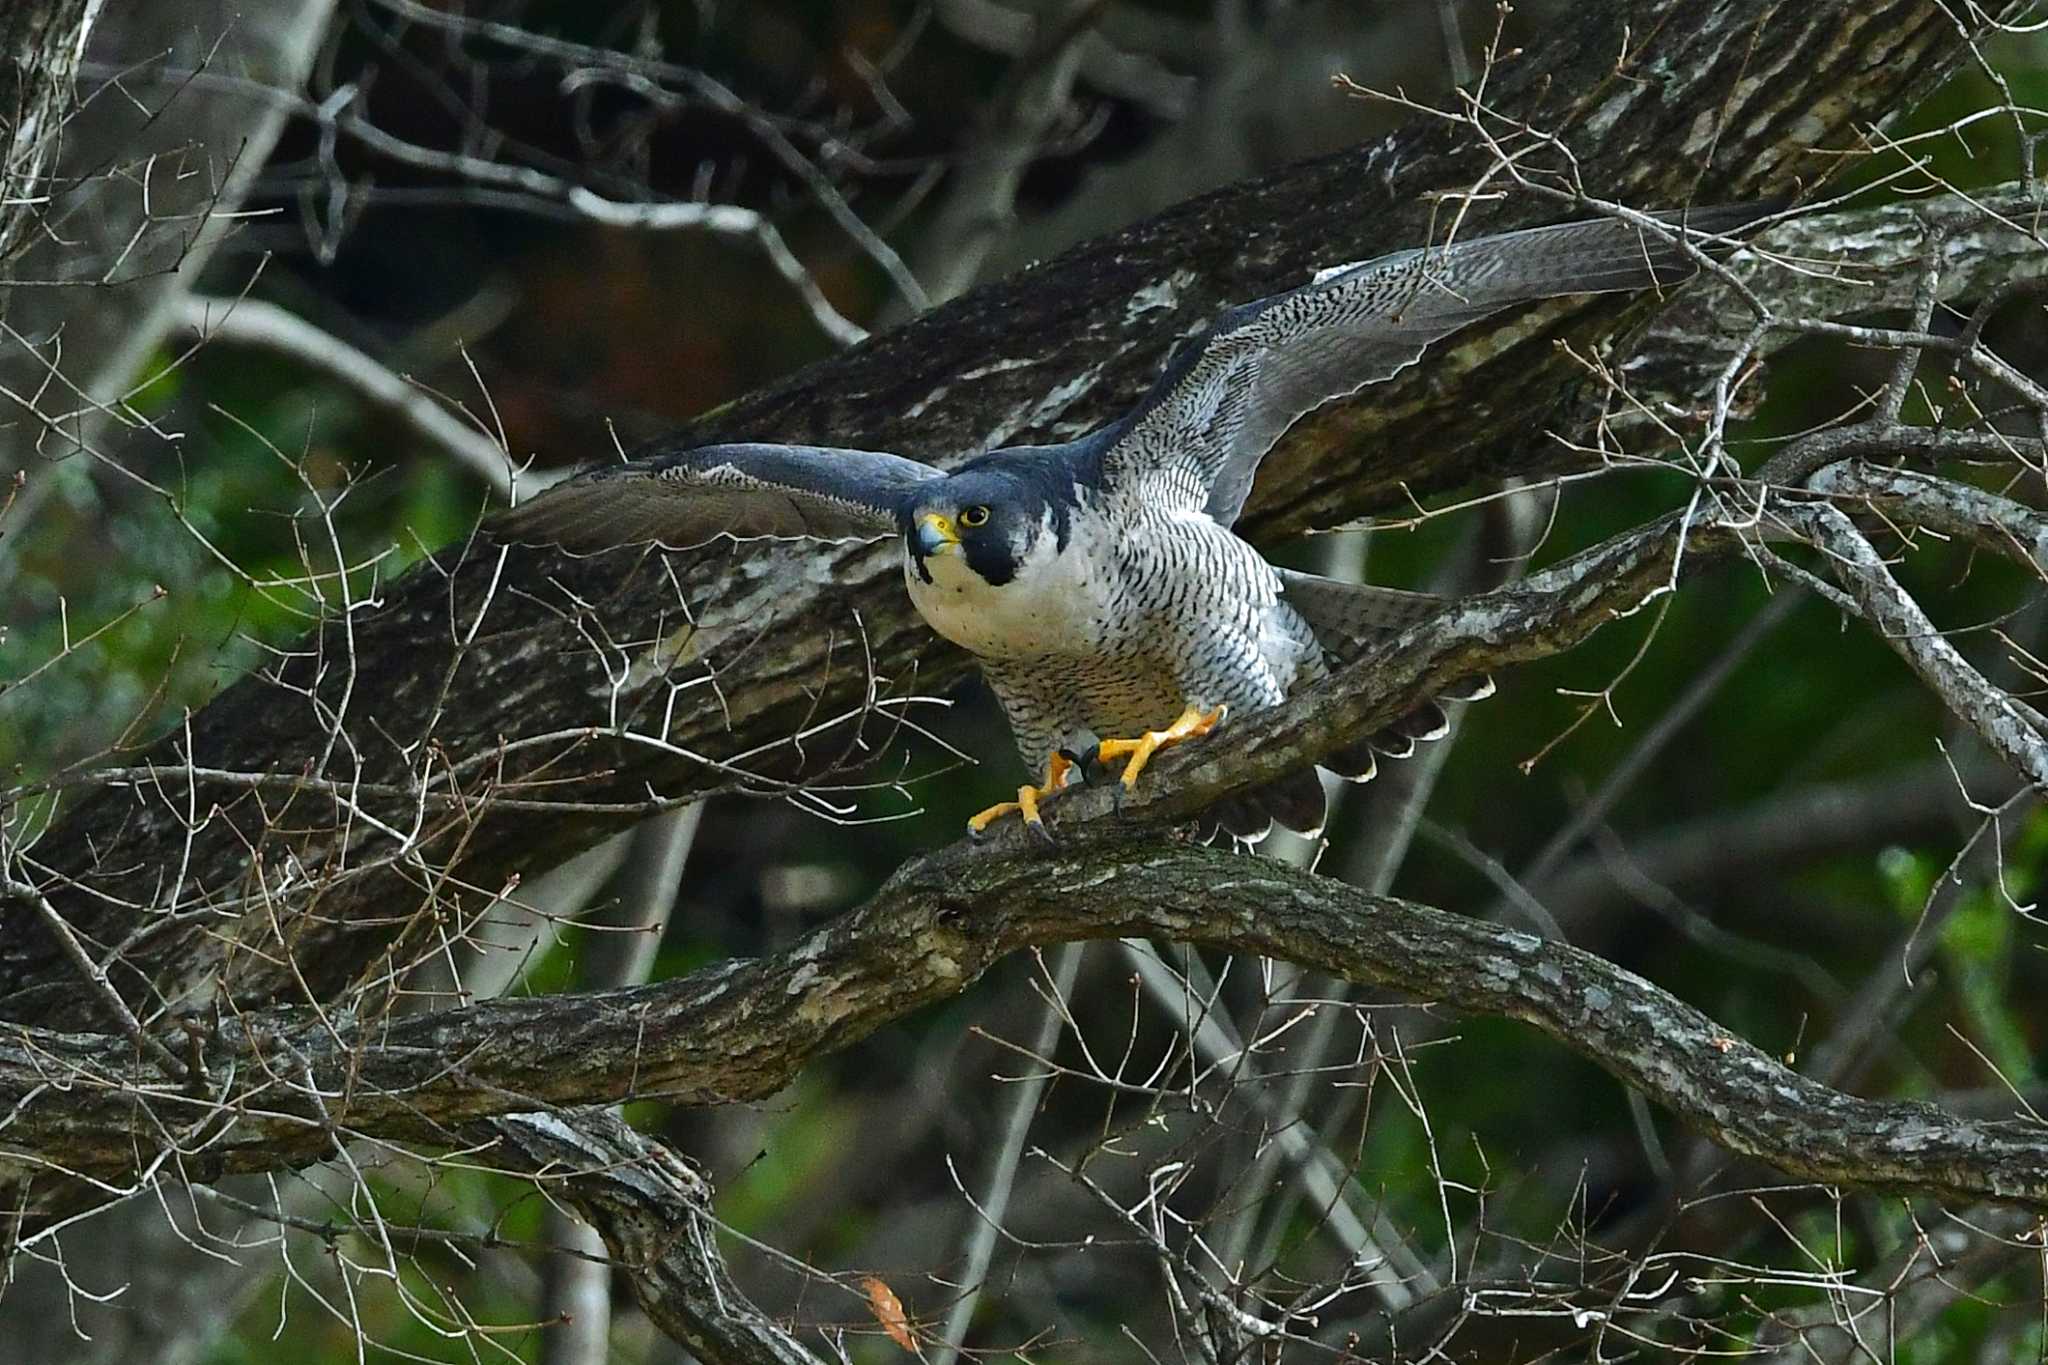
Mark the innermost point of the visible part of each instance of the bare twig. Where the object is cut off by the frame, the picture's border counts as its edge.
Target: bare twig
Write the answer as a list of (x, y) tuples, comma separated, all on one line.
[(266, 326)]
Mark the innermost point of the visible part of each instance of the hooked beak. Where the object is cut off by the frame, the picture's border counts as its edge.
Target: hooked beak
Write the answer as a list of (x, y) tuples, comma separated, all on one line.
[(935, 535)]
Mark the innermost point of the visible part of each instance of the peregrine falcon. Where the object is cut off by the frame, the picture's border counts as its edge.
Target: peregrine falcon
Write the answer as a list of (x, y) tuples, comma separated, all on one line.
[(1097, 582)]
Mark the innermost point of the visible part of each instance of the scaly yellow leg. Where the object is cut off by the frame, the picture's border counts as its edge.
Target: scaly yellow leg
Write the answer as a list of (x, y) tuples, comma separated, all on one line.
[(1056, 769), (1193, 724)]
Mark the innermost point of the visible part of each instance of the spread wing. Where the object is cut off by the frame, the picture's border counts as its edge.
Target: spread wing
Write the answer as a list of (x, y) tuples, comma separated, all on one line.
[(1198, 437), (686, 498)]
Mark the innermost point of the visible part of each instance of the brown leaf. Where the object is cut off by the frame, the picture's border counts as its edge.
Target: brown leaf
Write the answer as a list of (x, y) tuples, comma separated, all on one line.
[(888, 1310)]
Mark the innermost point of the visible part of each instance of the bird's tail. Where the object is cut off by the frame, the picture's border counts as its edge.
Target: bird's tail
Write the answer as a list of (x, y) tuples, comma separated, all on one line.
[(1295, 801), (1346, 619), (1347, 615), (1349, 618)]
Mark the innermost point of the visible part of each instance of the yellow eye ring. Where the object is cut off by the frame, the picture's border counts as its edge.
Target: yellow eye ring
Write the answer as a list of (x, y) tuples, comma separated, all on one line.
[(974, 516)]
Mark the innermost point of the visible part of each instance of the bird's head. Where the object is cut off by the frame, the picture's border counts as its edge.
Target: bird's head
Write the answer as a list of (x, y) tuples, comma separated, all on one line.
[(986, 519)]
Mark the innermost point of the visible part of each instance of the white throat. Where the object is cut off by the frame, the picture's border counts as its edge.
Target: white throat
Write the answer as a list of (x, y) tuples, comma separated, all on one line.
[(1052, 606)]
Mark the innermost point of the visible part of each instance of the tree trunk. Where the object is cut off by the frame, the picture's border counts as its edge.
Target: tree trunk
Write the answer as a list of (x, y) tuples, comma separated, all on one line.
[(41, 42)]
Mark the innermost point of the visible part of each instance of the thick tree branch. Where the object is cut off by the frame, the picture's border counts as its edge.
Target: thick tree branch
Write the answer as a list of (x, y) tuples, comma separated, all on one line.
[(287, 1085), (211, 963), (1535, 617), (654, 1211)]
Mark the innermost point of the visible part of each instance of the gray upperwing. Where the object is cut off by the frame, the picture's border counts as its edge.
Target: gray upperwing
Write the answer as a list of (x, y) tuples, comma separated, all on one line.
[(744, 491), (1199, 436)]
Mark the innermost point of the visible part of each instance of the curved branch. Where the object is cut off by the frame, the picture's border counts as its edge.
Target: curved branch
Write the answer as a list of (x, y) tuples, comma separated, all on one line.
[(742, 1030), (264, 1088), (2008, 726), (654, 1211), (268, 327), (1950, 508)]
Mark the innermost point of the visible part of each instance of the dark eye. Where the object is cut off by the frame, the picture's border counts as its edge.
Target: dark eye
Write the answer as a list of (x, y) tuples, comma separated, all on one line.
[(974, 516)]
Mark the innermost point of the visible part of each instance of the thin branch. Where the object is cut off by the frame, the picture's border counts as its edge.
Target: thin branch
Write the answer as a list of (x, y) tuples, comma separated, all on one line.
[(266, 326), (95, 977), (2011, 728), (1023, 1100), (1907, 497)]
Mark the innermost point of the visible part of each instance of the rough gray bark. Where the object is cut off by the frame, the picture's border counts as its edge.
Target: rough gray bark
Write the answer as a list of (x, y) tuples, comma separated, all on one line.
[(654, 1209), (479, 648), (1990, 240), (41, 42), (741, 1030)]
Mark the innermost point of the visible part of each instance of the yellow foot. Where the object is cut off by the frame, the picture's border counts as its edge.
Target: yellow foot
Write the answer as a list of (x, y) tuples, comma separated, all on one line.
[(1056, 769), (1193, 724)]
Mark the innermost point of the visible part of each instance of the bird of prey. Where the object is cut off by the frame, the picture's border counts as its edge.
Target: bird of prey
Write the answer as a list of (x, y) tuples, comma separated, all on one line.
[(1098, 582)]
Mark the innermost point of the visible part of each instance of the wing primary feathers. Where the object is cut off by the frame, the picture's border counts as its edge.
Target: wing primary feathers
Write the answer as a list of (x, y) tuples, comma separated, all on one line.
[(684, 498), (1594, 256), (1197, 438)]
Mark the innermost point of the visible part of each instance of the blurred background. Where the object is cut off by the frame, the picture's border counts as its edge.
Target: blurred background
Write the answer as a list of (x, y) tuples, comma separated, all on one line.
[(1752, 811)]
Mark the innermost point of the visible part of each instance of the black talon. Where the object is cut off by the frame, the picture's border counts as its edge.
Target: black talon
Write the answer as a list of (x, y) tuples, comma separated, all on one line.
[(1087, 762)]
